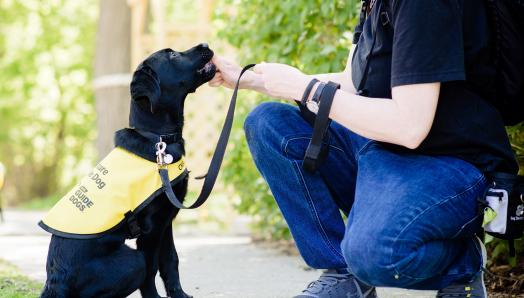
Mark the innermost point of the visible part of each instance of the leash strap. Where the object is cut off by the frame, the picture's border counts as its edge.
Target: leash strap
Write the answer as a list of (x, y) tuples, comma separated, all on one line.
[(316, 153), (307, 114), (216, 161), (308, 91)]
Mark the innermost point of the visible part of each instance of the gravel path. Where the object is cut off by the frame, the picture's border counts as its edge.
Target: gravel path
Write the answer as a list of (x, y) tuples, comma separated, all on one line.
[(211, 266)]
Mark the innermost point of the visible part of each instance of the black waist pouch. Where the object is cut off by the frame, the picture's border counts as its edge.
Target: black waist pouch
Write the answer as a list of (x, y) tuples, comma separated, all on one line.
[(503, 207)]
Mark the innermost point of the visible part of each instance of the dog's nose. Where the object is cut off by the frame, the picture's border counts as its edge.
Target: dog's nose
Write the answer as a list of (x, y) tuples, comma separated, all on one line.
[(204, 45)]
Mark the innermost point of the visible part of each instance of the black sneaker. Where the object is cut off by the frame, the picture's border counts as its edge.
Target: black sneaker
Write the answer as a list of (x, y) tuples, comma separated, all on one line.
[(338, 285), (474, 289)]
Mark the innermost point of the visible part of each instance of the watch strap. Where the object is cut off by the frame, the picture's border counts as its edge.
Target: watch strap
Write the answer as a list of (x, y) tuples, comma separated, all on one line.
[(318, 92), (309, 87)]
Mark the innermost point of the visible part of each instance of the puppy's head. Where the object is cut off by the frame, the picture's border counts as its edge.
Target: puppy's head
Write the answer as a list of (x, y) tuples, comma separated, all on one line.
[(161, 83)]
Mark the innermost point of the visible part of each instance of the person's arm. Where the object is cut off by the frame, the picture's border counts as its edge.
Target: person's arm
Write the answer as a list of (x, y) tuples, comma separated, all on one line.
[(405, 120), (342, 78), (228, 72)]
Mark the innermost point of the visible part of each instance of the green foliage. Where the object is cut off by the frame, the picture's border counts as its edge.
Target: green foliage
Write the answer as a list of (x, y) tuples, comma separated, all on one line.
[(499, 250), (46, 101), (516, 136), (255, 197), (312, 35)]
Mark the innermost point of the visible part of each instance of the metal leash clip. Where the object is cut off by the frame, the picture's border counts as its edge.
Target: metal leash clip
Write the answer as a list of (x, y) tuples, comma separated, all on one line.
[(162, 158), (161, 154)]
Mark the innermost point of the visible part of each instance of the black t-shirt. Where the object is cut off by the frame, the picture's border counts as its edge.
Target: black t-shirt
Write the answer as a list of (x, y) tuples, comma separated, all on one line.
[(414, 41)]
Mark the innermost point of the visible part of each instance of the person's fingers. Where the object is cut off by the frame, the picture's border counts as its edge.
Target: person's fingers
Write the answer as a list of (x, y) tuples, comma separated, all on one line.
[(216, 81), (217, 77), (216, 59), (219, 62), (259, 68)]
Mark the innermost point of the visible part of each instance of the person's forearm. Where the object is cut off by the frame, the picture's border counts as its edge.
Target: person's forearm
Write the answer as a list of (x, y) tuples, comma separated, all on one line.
[(251, 81), (342, 78), (378, 119), (406, 119)]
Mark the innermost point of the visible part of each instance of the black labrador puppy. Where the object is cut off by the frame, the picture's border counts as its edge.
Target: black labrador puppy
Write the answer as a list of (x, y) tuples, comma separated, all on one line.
[(105, 266)]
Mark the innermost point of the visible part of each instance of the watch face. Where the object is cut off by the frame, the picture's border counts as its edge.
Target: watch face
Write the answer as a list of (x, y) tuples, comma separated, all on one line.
[(312, 106)]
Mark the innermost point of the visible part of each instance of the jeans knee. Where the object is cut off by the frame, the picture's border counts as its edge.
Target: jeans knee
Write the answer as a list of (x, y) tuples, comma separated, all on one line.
[(263, 121), (368, 261)]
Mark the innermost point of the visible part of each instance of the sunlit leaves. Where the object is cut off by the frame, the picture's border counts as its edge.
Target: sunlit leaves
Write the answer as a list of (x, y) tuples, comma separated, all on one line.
[(46, 99)]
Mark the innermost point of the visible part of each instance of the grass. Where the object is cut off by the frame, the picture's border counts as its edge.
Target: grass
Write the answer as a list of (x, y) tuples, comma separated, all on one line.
[(15, 285)]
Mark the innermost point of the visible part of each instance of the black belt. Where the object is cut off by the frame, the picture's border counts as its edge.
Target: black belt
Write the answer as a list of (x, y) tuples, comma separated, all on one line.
[(216, 161)]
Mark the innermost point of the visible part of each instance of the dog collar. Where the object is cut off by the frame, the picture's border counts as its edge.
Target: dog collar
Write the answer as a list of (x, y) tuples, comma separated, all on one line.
[(153, 137)]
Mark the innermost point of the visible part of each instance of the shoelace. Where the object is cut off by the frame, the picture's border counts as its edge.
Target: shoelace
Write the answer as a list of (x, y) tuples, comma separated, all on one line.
[(324, 280)]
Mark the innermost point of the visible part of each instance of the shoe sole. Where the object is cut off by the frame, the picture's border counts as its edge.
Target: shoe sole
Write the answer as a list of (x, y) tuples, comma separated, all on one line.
[(484, 261), (368, 292)]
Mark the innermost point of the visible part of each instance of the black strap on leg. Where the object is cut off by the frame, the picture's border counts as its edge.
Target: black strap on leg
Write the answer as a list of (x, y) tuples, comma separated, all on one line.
[(216, 160), (316, 152)]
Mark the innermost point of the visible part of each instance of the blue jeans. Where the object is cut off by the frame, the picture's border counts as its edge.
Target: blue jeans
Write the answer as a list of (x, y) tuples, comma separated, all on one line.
[(411, 217)]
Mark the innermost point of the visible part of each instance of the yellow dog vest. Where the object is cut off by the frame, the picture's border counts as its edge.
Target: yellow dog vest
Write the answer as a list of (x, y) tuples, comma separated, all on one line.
[(120, 183)]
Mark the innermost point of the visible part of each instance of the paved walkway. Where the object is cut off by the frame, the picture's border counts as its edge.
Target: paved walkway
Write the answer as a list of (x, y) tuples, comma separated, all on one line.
[(211, 266)]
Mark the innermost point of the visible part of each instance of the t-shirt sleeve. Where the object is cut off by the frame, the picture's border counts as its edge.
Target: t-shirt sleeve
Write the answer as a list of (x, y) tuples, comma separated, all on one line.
[(428, 42)]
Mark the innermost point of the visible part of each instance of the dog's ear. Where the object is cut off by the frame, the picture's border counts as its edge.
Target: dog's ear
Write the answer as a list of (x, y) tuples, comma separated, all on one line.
[(145, 88)]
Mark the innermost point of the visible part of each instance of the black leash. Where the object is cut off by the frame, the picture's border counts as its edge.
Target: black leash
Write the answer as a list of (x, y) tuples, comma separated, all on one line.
[(317, 152), (216, 161)]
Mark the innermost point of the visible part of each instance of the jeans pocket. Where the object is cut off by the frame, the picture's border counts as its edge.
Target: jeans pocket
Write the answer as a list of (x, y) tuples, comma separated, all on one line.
[(294, 147)]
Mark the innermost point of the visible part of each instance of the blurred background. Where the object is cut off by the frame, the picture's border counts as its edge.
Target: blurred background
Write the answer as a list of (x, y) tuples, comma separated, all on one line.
[(64, 89)]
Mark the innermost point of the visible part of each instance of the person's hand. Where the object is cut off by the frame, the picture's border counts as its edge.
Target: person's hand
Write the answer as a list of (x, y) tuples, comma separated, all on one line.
[(282, 81), (228, 72)]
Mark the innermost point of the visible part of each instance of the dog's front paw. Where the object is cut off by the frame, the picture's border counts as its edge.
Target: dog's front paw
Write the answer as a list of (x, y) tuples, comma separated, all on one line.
[(179, 294)]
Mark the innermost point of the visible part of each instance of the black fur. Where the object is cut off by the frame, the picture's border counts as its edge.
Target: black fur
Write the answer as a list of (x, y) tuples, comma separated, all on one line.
[(105, 266), (132, 141)]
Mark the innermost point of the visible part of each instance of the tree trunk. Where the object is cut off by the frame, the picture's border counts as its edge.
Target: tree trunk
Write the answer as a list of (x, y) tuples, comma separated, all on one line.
[(112, 67)]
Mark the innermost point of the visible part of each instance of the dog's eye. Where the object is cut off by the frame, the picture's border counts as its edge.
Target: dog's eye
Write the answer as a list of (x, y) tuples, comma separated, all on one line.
[(174, 55)]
